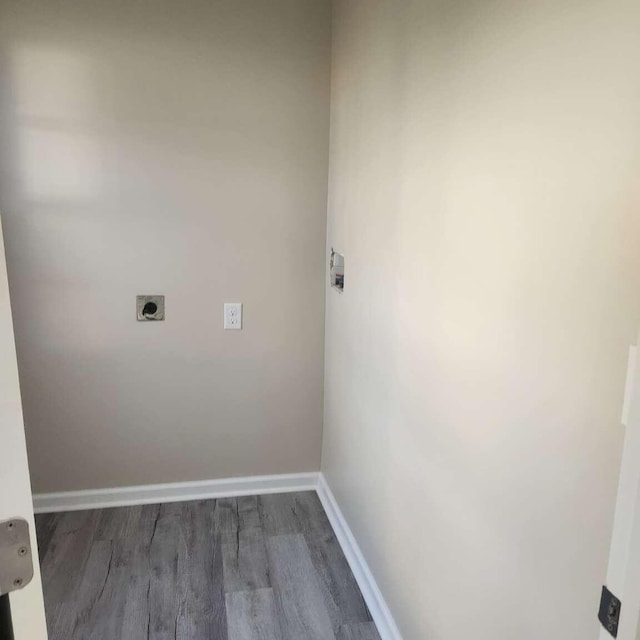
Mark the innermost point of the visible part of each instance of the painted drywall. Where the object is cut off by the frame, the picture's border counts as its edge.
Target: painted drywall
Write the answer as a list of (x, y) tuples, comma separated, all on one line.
[(176, 148), (484, 190)]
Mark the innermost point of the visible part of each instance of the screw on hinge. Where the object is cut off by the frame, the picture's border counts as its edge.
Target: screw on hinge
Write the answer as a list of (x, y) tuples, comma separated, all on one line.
[(17, 582), (22, 551)]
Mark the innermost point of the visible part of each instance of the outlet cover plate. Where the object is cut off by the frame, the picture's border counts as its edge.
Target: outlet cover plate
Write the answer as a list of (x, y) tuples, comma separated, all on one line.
[(150, 308), (233, 316)]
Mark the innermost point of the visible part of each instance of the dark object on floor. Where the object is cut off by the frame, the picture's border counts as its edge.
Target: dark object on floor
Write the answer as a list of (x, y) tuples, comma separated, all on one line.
[(6, 624), (251, 568)]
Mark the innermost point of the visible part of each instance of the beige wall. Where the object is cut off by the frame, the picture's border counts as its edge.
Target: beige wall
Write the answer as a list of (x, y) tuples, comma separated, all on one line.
[(484, 190), (177, 148)]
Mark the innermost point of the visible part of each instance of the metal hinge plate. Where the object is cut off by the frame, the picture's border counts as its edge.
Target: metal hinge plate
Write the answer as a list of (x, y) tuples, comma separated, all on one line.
[(609, 614), (16, 560)]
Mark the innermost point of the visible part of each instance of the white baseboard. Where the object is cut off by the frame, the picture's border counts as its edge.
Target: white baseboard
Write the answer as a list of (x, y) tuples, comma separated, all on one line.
[(173, 492), (233, 487), (380, 612)]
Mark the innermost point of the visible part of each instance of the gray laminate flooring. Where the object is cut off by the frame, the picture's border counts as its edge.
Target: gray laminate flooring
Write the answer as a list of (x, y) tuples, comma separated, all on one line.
[(251, 568)]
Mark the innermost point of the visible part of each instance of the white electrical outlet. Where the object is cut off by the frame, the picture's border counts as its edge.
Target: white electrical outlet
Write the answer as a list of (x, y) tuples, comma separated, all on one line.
[(233, 316)]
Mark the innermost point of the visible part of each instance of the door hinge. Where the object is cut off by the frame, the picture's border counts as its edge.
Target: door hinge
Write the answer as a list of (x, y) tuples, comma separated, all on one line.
[(609, 614), (16, 563)]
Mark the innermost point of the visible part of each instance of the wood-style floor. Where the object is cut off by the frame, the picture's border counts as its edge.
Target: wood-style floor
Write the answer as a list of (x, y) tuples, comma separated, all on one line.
[(254, 568)]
